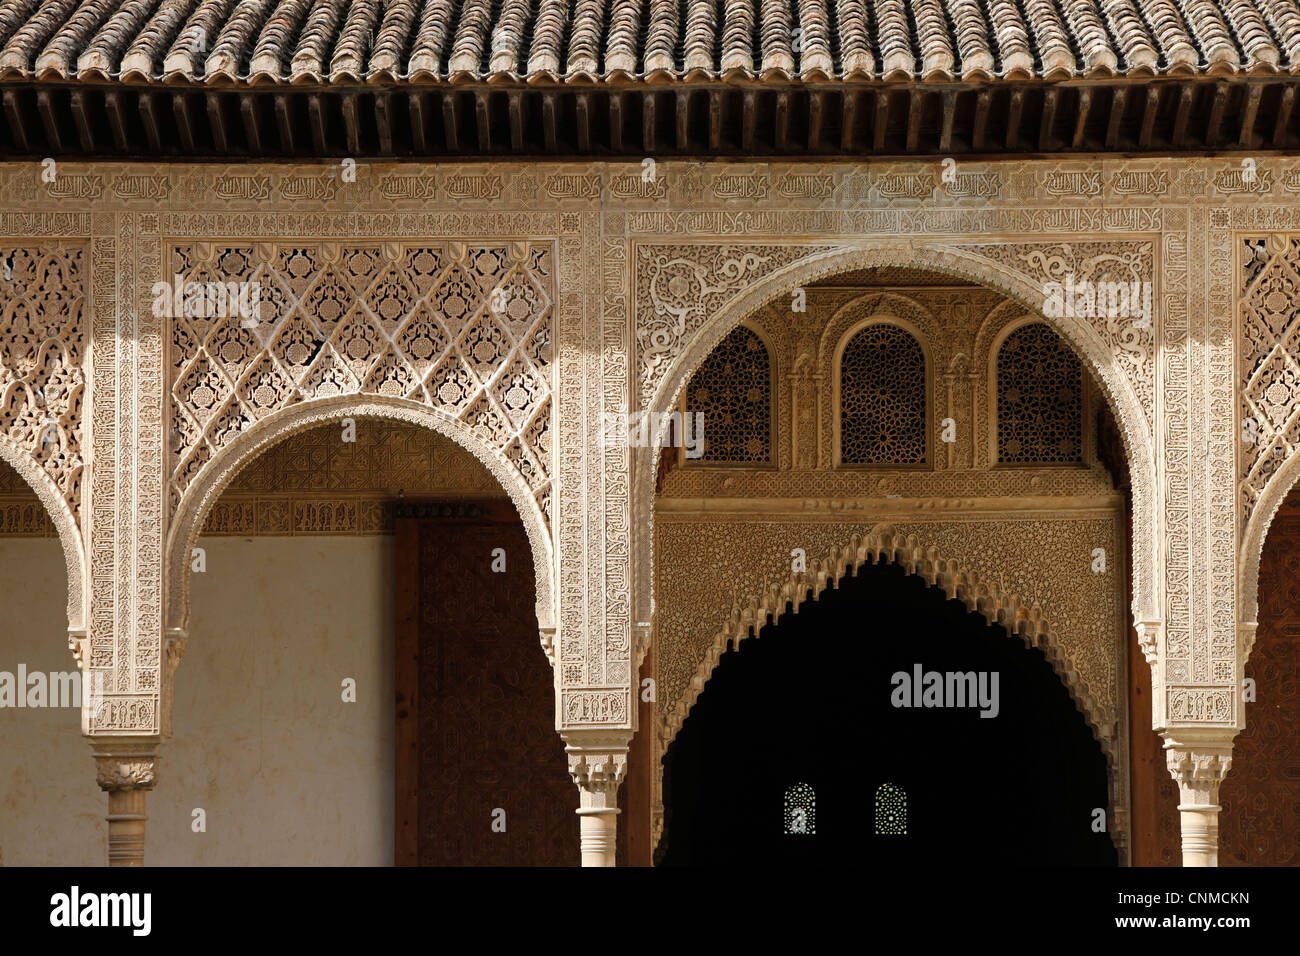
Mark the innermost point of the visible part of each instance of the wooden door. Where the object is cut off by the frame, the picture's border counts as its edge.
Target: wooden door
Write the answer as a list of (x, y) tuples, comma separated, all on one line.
[(481, 775)]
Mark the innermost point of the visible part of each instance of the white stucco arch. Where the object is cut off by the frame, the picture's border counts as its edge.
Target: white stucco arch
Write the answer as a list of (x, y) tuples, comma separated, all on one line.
[(207, 487), (1253, 539)]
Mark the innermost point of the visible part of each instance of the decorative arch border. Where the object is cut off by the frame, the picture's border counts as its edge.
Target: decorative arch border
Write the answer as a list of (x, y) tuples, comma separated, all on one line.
[(882, 544), (924, 342), (212, 480), (65, 525), (948, 259), (1253, 540)]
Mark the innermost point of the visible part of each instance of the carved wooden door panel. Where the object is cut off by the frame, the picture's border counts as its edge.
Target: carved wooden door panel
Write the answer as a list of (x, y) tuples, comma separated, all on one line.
[(481, 775)]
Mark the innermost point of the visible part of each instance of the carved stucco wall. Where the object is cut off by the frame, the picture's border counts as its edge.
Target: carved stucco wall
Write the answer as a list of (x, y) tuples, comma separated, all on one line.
[(756, 231)]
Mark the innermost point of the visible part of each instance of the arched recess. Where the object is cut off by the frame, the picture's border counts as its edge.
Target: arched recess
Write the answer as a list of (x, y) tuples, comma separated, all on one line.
[(1252, 547), (65, 524), (992, 378), (773, 390), (1097, 355), (207, 487), (883, 544)]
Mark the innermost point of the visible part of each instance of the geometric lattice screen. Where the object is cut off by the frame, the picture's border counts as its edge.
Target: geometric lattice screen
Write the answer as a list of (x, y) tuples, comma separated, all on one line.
[(732, 389), (882, 399), (1268, 361), (891, 810), (42, 348), (464, 330), (800, 809), (1040, 399)]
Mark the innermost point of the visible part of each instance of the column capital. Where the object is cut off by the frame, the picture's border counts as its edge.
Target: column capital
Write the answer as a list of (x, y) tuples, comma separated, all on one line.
[(597, 759), (124, 763), (1198, 761)]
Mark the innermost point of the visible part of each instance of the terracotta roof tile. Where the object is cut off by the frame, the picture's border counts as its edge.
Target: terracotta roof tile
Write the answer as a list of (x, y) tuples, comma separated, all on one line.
[(338, 41)]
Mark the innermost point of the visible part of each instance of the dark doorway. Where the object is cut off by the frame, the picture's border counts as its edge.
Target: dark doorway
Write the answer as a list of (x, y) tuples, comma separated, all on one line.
[(481, 775), (809, 702)]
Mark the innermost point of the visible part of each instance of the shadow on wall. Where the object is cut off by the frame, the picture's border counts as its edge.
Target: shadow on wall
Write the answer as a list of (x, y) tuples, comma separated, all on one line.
[(785, 760)]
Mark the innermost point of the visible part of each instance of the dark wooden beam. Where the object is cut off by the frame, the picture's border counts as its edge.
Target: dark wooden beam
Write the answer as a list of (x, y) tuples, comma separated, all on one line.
[(217, 122), (648, 122), (1118, 101), (483, 121), (848, 116), (749, 110), (450, 124), (982, 102), (351, 123), (1150, 107), (17, 125), (782, 132), (914, 107), (1046, 141), (715, 119), (1083, 108), (149, 117), (384, 121), (1185, 97), (683, 114), (616, 122), (550, 121), (116, 111), (1285, 106), (1214, 125), (49, 119), (1015, 108), (816, 110), (81, 118), (284, 122), (582, 109), (250, 114), (419, 122), (184, 122), (515, 108), (1247, 135), (880, 124), (949, 114), (316, 117)]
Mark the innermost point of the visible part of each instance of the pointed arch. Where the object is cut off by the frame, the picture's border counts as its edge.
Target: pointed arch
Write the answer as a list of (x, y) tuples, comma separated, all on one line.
[(203, 492)]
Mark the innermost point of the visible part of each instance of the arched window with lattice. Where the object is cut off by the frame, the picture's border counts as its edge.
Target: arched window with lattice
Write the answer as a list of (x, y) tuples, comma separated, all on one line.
[(732, 389), (801, 810), (1039, 399), (882, 399), (891, 810)]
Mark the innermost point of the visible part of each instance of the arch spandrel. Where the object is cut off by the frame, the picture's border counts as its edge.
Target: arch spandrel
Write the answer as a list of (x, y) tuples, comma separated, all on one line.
[(1116, 356), (212, 480)]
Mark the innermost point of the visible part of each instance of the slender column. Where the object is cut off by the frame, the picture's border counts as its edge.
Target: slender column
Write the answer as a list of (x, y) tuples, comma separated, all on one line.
[(598, 763), (125, 768), (1198, 766)]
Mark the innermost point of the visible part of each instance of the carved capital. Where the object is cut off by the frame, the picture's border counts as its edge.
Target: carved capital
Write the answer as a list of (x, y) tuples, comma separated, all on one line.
[(597, 762), (1148, 633), (122, 765), (547, 635), (78, 642), (174, 647), (1246, 637), (1198, 767)]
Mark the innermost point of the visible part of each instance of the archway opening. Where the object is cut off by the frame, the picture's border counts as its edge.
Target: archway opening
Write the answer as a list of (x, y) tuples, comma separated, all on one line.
[(817, 701), (1259, 824), (48, 797), (364, 681)]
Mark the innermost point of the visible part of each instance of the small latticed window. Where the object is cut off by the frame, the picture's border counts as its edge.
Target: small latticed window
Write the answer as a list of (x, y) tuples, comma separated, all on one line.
[(733, 390), (1040, 399), (882, 398), (800, 810), (891, 810)]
